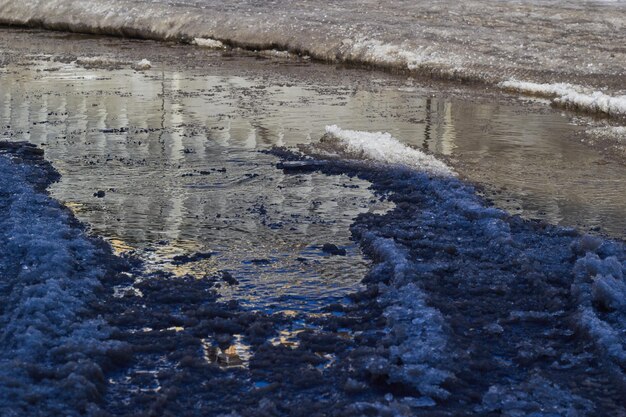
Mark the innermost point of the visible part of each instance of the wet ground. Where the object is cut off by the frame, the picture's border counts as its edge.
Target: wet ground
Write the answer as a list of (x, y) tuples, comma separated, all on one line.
[(231, 277)]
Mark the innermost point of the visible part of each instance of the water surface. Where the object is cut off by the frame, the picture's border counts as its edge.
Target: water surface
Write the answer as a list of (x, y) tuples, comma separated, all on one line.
[(176, 151)]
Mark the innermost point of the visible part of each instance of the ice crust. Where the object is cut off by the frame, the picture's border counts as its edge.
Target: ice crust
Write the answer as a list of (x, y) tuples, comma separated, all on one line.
[(52, 350), (537, 396)]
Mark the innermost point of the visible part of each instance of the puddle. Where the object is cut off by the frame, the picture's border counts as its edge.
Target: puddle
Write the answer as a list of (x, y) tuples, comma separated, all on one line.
[(166, 162)]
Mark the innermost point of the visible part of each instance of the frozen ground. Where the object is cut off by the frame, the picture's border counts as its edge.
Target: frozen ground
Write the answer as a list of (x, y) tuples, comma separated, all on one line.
[(550, 43)]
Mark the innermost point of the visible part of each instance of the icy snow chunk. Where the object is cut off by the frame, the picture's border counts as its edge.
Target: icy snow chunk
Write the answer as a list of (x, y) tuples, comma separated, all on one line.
[(382, 147), (536, 316), (609, 292), (606, 337), (600, 285), (537, 396), (416, 329), (274, 53), (208, 43), (572, 96), (591, 265), (142, 65), (493, 328), (421, 402), (586, 244)]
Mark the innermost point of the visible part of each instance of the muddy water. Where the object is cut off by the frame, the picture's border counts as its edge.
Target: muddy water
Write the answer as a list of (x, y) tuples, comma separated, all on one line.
[(175, 149)]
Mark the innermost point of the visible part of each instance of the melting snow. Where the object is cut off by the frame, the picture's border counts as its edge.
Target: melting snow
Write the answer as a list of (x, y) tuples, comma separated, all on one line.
[(382, 147), (208, 43), (572, 96)]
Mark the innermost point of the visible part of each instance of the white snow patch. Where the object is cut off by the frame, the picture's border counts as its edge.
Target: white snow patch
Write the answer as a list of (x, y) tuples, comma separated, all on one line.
[(382, 147), (572, 96), (142, 65), (375, 51), (208, 43)]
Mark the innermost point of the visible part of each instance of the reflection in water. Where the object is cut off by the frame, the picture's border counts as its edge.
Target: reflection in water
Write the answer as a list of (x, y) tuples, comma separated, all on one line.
[(180, 173), (439, 128), (176, 154), (237, 354), (536, 167), (288, 338), (119, 246)]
